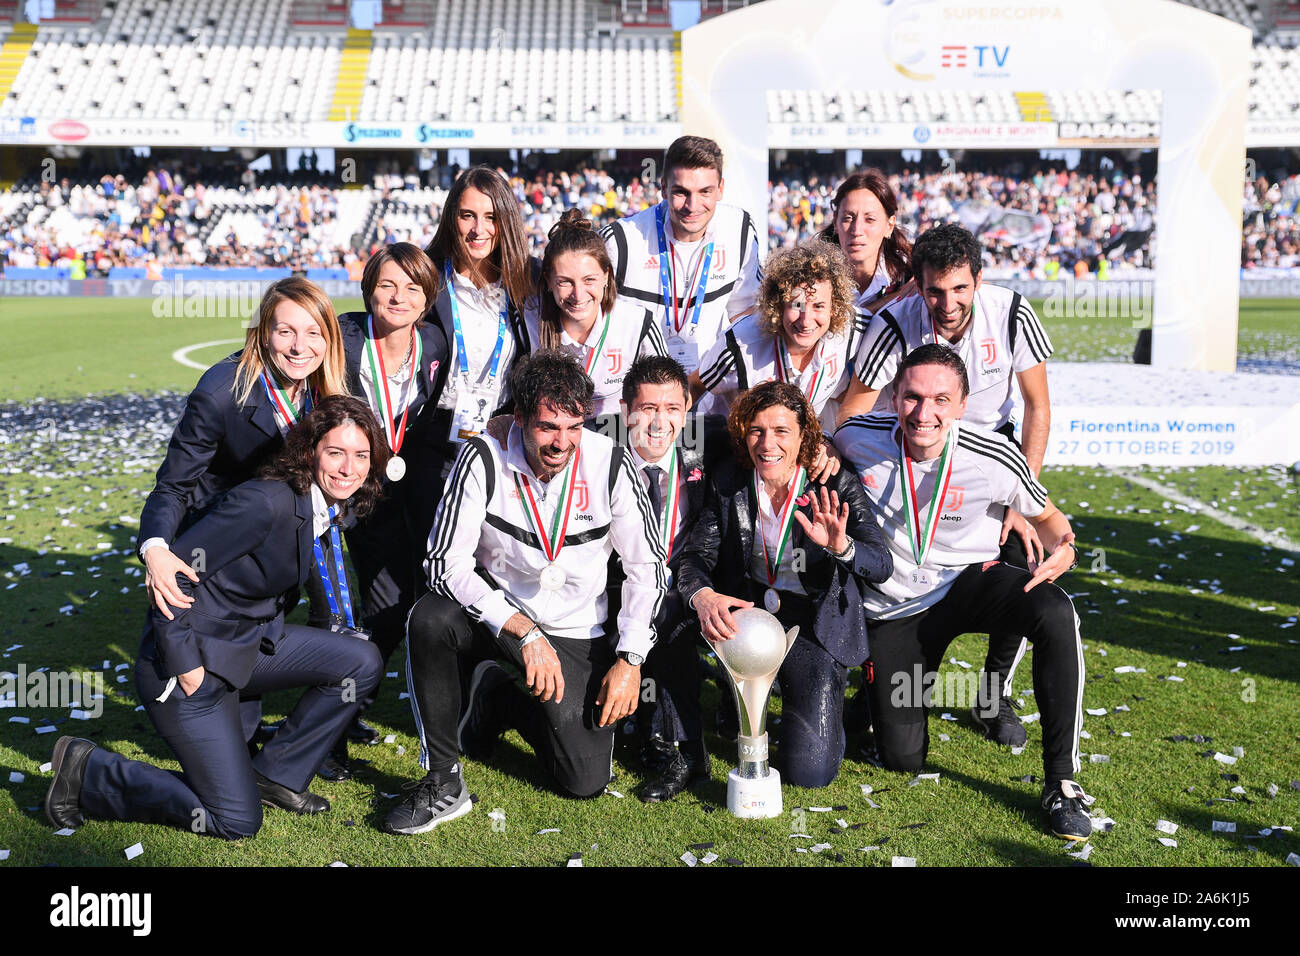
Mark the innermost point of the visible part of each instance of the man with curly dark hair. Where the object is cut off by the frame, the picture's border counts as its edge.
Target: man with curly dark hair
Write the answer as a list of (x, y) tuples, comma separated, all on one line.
[(517, 564)]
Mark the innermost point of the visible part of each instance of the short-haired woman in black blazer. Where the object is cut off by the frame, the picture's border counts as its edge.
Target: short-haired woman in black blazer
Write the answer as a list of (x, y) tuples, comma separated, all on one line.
[(803, 550), (397, 360), (259, 544)]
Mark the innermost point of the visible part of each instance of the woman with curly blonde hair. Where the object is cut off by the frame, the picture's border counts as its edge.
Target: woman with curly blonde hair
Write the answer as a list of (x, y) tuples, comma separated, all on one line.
[(804, 332)]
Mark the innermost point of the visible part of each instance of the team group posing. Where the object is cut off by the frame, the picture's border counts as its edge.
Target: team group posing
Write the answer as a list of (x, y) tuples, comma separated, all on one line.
[(558, 478)]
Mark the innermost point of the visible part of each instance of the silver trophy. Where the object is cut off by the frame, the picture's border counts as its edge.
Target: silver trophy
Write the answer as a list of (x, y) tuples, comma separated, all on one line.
[(752, 659)]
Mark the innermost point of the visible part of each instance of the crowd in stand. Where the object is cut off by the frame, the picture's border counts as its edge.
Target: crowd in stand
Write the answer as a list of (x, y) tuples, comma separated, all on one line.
[(1032, 225)]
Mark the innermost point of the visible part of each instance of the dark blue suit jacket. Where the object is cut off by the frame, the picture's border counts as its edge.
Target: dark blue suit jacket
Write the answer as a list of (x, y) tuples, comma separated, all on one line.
[(215, 446), (717, 554), (252, 551)]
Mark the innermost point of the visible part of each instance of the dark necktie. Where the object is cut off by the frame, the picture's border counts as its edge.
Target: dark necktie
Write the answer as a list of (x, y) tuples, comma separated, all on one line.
[(653, 472)]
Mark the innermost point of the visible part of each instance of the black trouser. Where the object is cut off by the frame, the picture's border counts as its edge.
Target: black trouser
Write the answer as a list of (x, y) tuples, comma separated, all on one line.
[(811, 742), (385, 559), (1007, 648), (444, 646), (981, 599), (673, 708), (216, 791)]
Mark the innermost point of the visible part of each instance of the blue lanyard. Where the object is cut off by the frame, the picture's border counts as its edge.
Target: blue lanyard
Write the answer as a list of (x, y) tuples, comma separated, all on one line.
[(337, 546), (462, 358), (669, 287)]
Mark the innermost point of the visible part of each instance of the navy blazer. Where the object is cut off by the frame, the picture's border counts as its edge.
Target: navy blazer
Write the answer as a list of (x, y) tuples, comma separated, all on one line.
[(422, 437), (252, 551), (215, 446), (717, 555)]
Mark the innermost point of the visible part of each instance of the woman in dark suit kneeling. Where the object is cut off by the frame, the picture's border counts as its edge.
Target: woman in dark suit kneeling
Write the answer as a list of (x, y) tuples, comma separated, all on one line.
[(801, 549), (253, 550)]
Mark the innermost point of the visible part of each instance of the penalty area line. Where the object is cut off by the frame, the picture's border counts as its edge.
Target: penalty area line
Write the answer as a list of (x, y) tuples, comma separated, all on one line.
[(1273, 539), (183, 355)]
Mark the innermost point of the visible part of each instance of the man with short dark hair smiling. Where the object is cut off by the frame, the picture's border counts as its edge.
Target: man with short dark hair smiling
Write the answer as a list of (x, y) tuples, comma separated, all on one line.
[(517, 566)]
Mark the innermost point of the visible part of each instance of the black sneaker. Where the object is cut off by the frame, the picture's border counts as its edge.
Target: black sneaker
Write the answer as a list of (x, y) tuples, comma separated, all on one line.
[(1067, 812), (482, 724), (432, 801), (1004, 727)]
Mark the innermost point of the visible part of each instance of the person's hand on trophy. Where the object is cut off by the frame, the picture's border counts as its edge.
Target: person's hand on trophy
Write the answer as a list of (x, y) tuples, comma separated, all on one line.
[(714, 611)]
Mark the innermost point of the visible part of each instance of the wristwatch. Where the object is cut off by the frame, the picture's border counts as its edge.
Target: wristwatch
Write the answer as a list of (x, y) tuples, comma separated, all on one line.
[(1075, 563), (635, 660)]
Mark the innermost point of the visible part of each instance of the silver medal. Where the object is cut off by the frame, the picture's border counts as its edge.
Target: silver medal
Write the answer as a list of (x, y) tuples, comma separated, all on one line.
[(396, 468), (771, 600), (553, 577)]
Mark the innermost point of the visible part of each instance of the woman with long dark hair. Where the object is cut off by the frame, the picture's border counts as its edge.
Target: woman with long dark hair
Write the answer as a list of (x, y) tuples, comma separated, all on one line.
[(480, 253), (578, 309), (865, 227), (258, 544)]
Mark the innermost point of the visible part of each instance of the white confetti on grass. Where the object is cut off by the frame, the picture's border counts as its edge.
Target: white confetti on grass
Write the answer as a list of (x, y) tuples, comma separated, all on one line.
[(16, 777), (549, 830), (1165, 826), (1224, 758), (134, 850), (902, 861), (66, 831), (1166, 841), (1082, 854), (689, 858), (1222, 826)]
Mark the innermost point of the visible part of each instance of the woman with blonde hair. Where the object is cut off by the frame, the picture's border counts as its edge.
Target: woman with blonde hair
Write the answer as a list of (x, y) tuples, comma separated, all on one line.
[(236, 418)]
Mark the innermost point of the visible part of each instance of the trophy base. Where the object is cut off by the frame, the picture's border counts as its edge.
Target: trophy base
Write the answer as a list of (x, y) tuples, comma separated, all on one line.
[(754, 798)]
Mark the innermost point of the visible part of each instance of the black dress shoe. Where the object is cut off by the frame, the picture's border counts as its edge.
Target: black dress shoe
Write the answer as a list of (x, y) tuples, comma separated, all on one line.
[(361, 732), (63, 799), (677, 776), (334, 768), (657, 754), (277, 795)]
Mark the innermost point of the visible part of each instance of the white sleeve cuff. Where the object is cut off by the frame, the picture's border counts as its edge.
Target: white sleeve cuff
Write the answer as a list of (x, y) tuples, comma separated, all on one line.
[(152, 543), (496, 610)]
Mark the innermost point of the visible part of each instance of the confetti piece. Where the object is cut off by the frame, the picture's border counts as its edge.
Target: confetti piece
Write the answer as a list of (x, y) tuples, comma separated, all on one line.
[(613, 793), (866, 788), (689, 858), (390, 674), (1164, 826), (81, 715), (800, 836), (66, 831), (4, 855), (709, 858), (819, 847), (573, 861), (1096, 711), (1084, 853), (390, 738), (1224, 758), (1176, 680), (1168, 842), (872, 804), (46, 730), (819, 809), (134, 850), (1272, 790), (47, 767), (947, 716), (121, 667), (1239, 751), (902, 861), (1221, 826), (944, 737), (1098, 758), (1017, 751), (498, 815), (20, 720), (337, 863), (16, 777), (1292, 858), (842, 823), (551, 830), (1029, 718)]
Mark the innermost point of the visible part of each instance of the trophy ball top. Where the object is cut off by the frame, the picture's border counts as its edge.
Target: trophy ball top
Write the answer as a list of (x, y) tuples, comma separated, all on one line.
[(759, 646)]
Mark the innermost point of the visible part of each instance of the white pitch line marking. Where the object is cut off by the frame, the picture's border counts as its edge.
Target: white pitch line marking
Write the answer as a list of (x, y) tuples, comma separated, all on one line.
[(1271, 538), (182, 355)]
